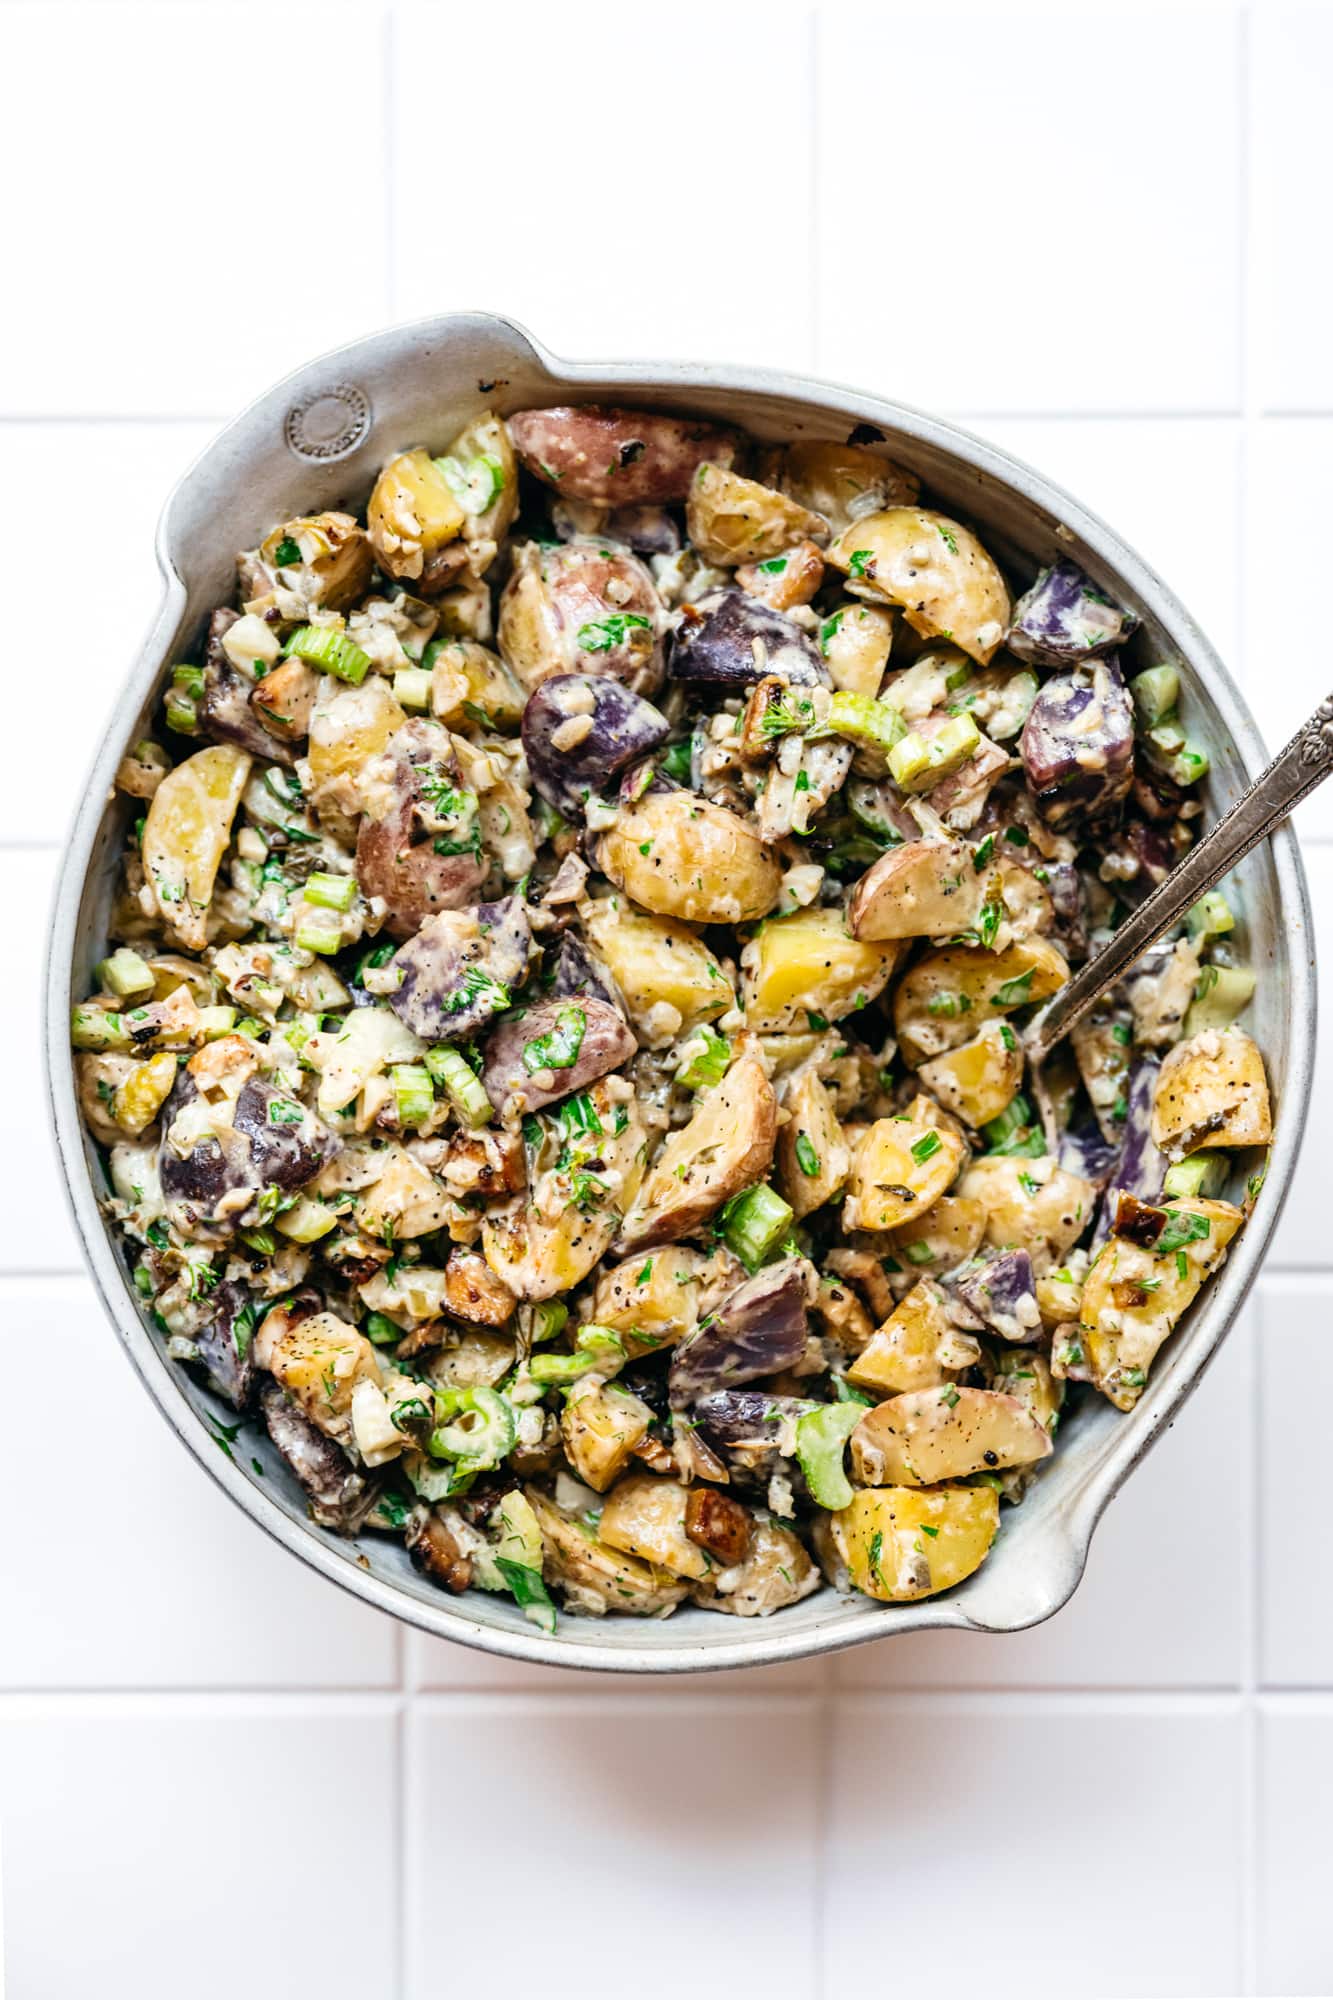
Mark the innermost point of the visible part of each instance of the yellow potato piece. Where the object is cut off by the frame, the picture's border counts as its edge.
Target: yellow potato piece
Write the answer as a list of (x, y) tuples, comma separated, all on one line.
[(978, 1079), (1212, 1091), (732, 520), (651, 1301), (1134, 1296), (809, 963), (1032, 1205), (319, 1361), (933, 1434), (348, 727), (918, 1347), (186, 833), (813, 1158), (948, 1234), (601, 1426), (143, 1093), (856, 641), (900, 1167), (681, 856), (831, 479), (925, 888), (949, 994), (935, 568), (645, 1517), (548, 1240), (900, 1543), (597, 1577), (1025, 1372), (412, 515), (661, 968), (727, 1146)]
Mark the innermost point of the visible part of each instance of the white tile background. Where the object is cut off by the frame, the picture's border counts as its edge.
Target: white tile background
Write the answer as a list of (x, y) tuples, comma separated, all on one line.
[(1098, 234)]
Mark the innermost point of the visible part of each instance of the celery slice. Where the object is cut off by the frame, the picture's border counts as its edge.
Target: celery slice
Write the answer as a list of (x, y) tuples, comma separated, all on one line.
[(329, 648), (917, 762), (461, 1086), (412, 1092), (125, 974)]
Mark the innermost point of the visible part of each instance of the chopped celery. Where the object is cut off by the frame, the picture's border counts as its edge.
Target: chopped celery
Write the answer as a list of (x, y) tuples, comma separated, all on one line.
[(411, 687), (94, 1028), (917, 762), (1170, 751), (1189, 766), (821, 1439), (319, 930), (477, 1428), (862, 719), (1220, 993), (125, 974), (676, 761), (476, 483), (460, 1085), (530, 1593), (708, 1064), (215, 1022), (381, 1329), (546, 1320), (1155, 693), (596, 1349), (329, 648), (1202, 1173), (183, 697), (330, 892), (1211, 917), (753, 1222), (260, 1241), (412, 1092)]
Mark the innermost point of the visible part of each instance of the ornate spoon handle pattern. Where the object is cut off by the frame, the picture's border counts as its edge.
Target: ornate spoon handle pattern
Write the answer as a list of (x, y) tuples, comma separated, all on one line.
[(1293, 774)]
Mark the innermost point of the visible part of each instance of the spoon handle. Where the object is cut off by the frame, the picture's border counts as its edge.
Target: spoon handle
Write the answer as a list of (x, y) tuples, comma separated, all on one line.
[(1293, 774)]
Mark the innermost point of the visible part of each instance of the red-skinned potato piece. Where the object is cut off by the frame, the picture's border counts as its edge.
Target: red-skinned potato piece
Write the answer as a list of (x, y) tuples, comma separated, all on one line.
[(617, 458), (396, 849)]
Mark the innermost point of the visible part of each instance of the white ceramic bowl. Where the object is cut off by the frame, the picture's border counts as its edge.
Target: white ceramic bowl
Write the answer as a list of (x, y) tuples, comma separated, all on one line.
[(317, 440)]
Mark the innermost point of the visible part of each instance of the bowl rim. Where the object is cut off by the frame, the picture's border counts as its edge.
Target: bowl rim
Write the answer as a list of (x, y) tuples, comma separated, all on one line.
[(759, 1642)]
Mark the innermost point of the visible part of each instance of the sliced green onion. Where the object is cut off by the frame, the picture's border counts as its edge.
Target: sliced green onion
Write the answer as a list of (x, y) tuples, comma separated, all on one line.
[(559, 1048), (329, 648), (125, 974), (330, 892), (461, 1086), (413, 1095), (530, 1593), (319, 930), (753, 1222), (597, 1349), (479, 1428), (411, 687), (1202, 1173), (708, 1064), (917, 762), (94, 1028), (821, 1440), (676, 761), (1012, 1134), (1155, 693), (1211, 916), (381, 1329), (260, 1241)]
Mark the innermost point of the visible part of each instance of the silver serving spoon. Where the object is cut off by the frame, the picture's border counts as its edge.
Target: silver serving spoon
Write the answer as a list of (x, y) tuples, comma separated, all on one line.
[(1293, 774)]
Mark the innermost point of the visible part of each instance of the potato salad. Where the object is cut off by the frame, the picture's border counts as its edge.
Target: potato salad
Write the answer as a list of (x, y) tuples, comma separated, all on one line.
[(560, 1060)]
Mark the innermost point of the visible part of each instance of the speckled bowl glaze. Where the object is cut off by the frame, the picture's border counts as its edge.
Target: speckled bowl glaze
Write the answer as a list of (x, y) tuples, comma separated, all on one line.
[(317, 440)]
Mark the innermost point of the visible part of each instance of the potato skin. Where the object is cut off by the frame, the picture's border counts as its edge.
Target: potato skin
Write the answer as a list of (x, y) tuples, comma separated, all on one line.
[(844, 482), (726, 1146), (1212, 1091), (925, 888), (395, 856), (731, 520), (681, 856), (615, 457), (924, 1437), (584, 607), (935, 568), (661, 969), (879, 1538), (809, 963)]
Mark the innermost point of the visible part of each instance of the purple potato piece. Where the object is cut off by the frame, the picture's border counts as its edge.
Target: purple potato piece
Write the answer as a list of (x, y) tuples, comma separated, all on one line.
[(423, 854), (1140, 1169), (1064, 885), (457, 973), (570, 1041), (1085, 1151), (622, 728), (577, 971), (226, 1350), (1148, 851), (287, 1150), (340, 1496), (225, 713), (761, 1328), (730, 640), (1003, 1293), (730, 1417), (265, 1146), (1078, 746), (649, 531), (618, 458), (1063, 620)]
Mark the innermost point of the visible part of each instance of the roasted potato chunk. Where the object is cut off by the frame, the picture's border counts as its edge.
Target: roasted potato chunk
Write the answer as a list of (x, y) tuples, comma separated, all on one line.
[(1212, 1091), (807, 969), (597, 1578), (947, 995), (185, 836), (856, 641), (583, 607), (413, 519), (547, 1241), (681, 856), (618, 458), (925, 888), (666, 975), (602, 1426), (951, 1231), (732, 520), (1032, 1205), (349, 727), (319, 1361), (645, 1517), (899, 1168), (844, 482), (931, 1435), (979, 1078), (776, 1571), (813, 1157), (726, 1146), (880, 1538), (651, 1302), (918, 1347), (935, 568), (1136, 1293)]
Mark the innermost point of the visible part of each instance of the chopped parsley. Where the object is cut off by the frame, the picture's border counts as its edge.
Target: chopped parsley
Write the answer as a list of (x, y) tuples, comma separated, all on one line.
[(603, 635)]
